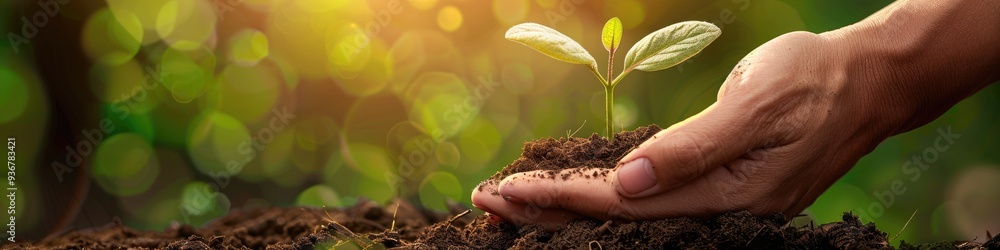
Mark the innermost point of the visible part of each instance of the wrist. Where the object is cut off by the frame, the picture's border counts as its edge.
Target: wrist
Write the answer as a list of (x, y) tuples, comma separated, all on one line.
[(914, 60), (875, 70)]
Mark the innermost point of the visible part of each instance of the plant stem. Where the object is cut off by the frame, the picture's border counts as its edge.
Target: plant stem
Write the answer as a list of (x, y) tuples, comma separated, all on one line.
[(609, 108), (593, 69), (609, 96), (619, 77), (611, 64)]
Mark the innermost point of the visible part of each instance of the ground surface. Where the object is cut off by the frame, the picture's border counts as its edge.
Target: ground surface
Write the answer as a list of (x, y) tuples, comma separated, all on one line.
[(367, 224)]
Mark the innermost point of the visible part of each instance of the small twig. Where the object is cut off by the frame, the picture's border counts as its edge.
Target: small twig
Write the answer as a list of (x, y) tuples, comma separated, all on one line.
[(603, 227), (594, 242), (754, 236), (568, 135), (338, 226), (392, 228), (904, 225), (452, 219)]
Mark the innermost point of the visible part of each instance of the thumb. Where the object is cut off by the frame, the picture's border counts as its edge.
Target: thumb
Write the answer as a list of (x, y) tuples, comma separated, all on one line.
[(686, 150)]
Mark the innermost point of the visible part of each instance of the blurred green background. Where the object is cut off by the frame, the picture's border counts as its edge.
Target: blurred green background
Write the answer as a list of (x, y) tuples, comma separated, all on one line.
[(153, 111)]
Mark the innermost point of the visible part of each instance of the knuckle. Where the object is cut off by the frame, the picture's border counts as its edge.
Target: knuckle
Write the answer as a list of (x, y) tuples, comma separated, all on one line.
[(688, 159), (616, 211)]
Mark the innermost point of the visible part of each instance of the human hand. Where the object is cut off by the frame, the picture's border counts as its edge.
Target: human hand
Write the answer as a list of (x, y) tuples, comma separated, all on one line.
[(791, 118)]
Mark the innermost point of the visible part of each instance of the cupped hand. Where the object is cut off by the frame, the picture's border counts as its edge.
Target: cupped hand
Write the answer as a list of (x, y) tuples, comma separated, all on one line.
[(790, 119)]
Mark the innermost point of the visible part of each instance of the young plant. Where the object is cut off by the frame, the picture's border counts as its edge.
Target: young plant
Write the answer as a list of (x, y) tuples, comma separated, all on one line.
[(659, 50)]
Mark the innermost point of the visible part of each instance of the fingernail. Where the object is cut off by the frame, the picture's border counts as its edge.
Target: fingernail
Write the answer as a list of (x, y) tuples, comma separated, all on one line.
[(513, 199), (493, 219), (636, 176), (505, 189)]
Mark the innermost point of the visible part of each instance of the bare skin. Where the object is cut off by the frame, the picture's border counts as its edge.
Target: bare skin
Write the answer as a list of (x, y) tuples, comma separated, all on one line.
[(763, 146)]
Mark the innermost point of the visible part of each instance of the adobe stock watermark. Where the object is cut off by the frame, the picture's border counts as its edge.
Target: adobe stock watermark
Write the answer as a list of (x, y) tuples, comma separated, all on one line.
[(225, 6), (454, 117), (31, 27), (123, 106), (562, 10), (363, 38), (249, 150), (915, 167)]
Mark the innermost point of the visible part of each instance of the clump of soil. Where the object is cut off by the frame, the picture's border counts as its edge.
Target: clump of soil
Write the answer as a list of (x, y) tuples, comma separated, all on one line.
[(367, 224), (553, 155)]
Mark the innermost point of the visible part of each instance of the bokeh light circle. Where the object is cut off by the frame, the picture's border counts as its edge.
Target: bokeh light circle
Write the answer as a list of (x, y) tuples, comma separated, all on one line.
[(408, 56), (146, 11), (439, 187), (447, 153), (275, 157), (449, 18), (423, 4), (411, 150), (371, 161), (441, 103), (510, 12), (203, 202), (626, 113), (248, 47), (248, 93), (318, 196), (975, 206), (321, 6), (632, 11), (373, 75), (217, 140), (315, 131), (547, 4), (186, 24), (187, 73), (479, 143), (112, 39), (119, 82), (13, 95), (136, 122), (380, 181), (348, 48), (363, 129), (518, 78), (125, 164)]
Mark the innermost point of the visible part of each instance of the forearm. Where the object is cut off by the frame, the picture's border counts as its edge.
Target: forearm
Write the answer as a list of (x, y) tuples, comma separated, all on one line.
[(923, 57)]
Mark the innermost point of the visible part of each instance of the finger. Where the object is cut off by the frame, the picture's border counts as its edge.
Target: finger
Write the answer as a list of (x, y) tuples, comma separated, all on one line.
[(597, 198), (680, 153), (519, 213), (576, 190)]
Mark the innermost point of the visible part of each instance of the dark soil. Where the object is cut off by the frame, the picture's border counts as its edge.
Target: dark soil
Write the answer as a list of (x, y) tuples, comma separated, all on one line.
[(365, 224), (368, 225), (553, 155)]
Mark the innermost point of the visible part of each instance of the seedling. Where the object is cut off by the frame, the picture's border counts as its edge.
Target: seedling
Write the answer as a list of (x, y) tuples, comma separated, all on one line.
[(659, 50)]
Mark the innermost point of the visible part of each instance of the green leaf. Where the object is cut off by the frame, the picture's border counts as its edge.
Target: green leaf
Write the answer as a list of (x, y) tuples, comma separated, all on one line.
[(551, 43), (612, 34), (670, 46)]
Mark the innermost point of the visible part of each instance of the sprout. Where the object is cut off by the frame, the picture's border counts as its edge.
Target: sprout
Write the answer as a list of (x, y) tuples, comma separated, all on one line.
[(659, 50)]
